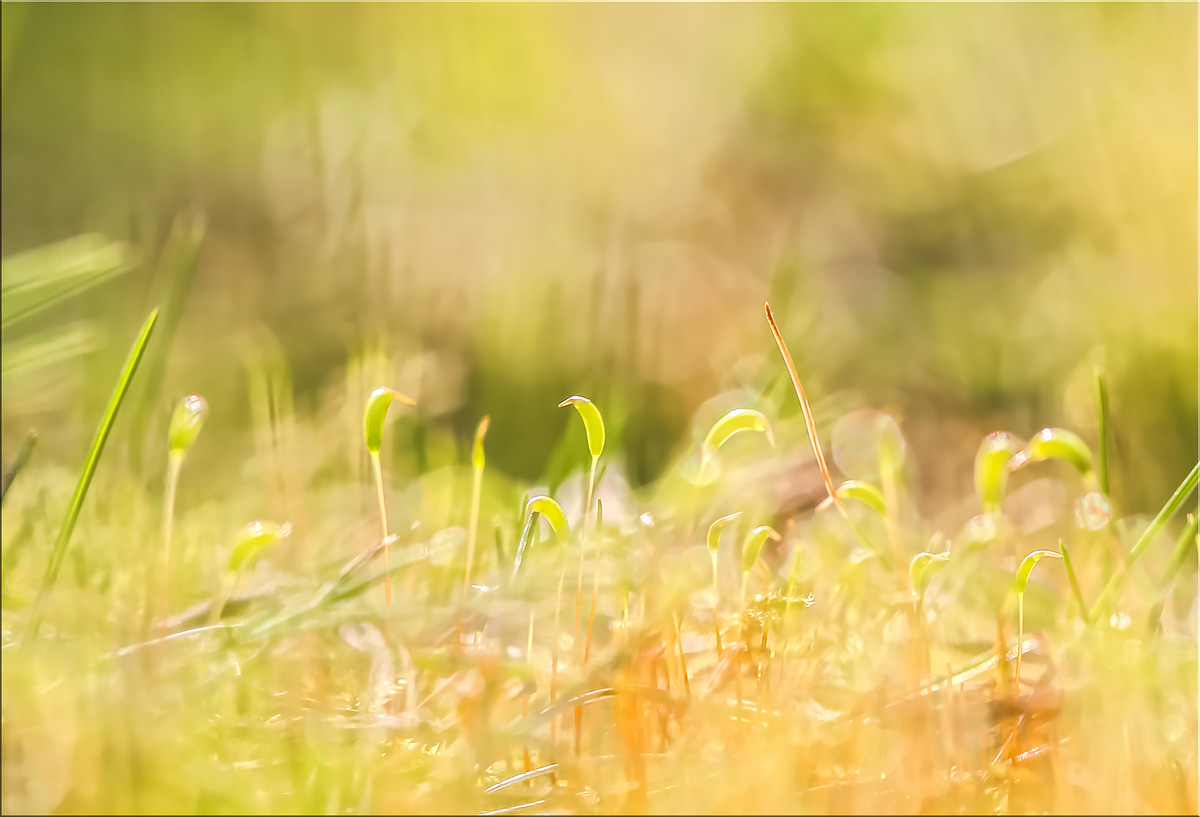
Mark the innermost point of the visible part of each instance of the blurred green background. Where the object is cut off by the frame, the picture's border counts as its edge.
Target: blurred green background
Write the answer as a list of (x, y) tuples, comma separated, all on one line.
[(955, 211)]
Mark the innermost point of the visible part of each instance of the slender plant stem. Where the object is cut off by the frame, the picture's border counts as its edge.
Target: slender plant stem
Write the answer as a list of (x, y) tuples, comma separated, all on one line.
[(1181, 493), (476, 489), (387, 555), (562, 572), (809, 422), (1186, 541), (174, 464), (1075, 589), (580, 648), (85, 478), (19, 463)]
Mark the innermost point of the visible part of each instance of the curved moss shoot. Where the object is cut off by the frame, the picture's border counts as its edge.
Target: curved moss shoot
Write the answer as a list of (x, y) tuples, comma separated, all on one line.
[(751, 548), (921, 570), (374, 414), (85, 477), (185, 427), (714, 544), (736, 421), (991, 468), (477, 463), (251, 542), (1019, 583), (593, 425), (1057, 444), (864, 492)]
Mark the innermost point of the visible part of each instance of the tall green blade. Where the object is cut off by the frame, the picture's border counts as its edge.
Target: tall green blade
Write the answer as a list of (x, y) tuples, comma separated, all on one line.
[(85, 478)]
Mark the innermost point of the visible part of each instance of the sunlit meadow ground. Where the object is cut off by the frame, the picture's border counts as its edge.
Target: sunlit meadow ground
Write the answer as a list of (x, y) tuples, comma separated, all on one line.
[(960, 214)]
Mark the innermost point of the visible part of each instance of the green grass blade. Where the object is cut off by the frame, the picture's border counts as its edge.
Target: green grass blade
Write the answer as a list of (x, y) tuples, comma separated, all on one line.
[(22, 458), (1186, 541), (1075, 589), (34, 281), (85, 478), (1181, 493)]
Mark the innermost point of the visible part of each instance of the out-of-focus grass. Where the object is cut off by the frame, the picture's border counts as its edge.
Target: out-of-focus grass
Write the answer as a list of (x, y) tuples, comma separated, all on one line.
[(958, 214)]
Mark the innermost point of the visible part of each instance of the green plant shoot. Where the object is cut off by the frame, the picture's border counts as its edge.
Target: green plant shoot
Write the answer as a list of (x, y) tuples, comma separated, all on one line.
[(714, 544), (181, 435), (477, 463), (722, 430), (991, 468), (1019, 583), (251, 542), (373, 416), (1059, 444), (752, 547), (864, 492), (921, 570), (85, 477)]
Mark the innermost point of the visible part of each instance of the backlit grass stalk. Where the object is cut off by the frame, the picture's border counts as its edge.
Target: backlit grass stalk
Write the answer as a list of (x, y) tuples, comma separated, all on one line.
[(1187, 541), (85, 477), (477, 464), (594, 427), (1177, 499), (185, 427), (19, 463), (1102, 429), (373, 417)]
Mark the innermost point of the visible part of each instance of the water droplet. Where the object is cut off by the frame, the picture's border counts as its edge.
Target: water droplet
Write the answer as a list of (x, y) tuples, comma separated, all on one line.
[(1093, 511), (1120, 621)]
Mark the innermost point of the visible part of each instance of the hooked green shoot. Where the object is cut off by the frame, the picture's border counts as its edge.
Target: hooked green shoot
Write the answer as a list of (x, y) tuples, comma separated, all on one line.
[(593, 425), (477, 463), (553, 513), (752, 546), (1058, 444), (1181, 494), (714, 544), (991, 468), (373, 416), (736, 421), (1019, 583), (864, 492), (85, 478), (182, 433), (921, 570), (809, 421), (251, 542)]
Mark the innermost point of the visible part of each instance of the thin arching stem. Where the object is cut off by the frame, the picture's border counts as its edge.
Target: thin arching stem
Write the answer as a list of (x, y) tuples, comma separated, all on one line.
[(387, 556), (174, 463)]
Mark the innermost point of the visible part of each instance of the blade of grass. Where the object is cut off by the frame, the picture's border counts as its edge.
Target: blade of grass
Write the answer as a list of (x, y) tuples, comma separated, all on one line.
[(85, 478), (1186, 541), (1075, 590), (1181, 493), (22, 459)]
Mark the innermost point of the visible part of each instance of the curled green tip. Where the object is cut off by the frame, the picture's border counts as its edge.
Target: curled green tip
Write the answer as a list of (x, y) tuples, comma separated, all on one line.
[(376, 411), (742, 419), (922, 569), (992, 464), (714, 531), (186, 423), (477, 450), (1055, 443), (593, 423), (1022, 577), (253, 538), (863, 492), (553, 512), (754, 543)]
